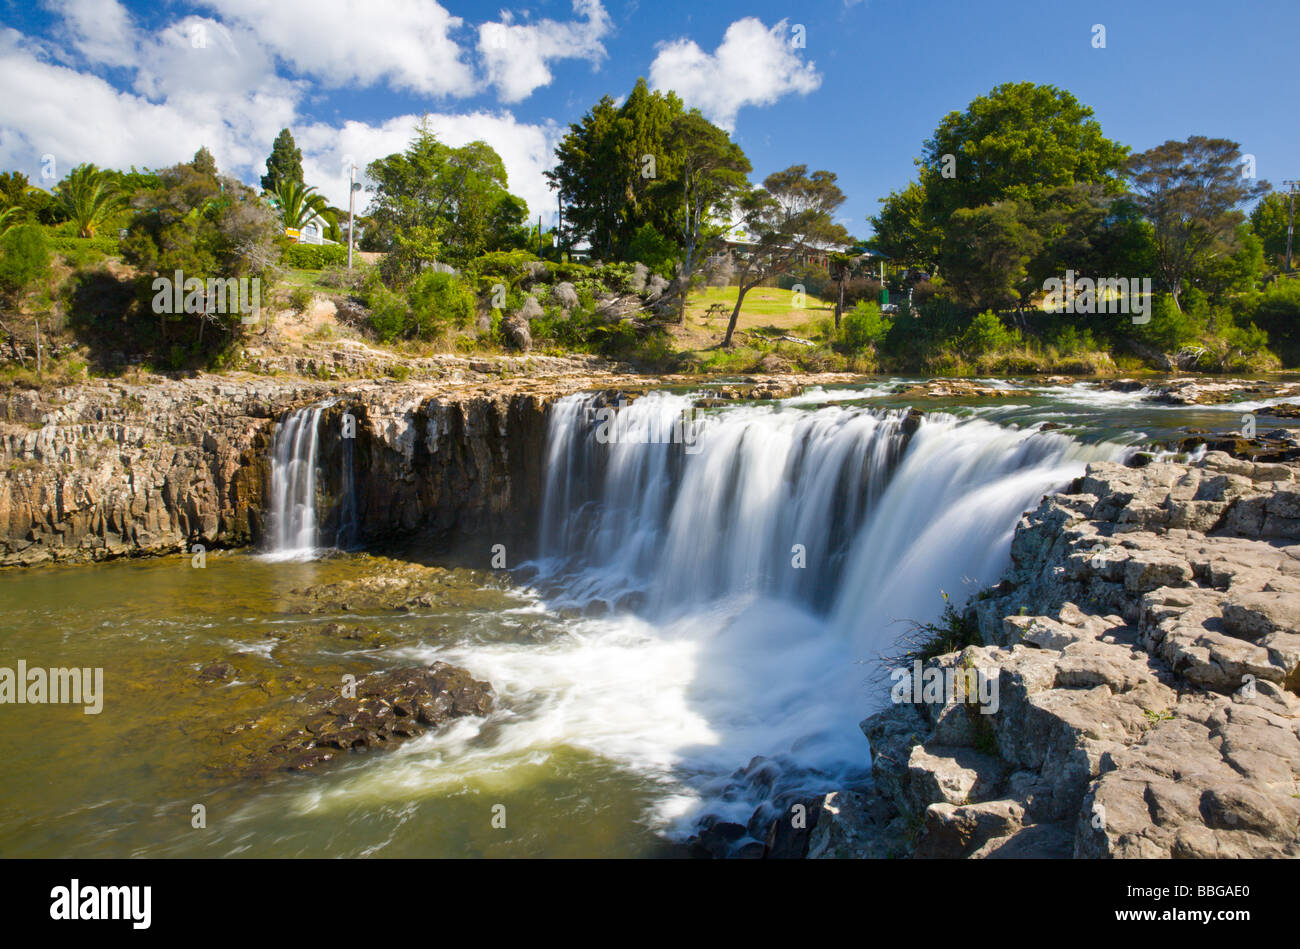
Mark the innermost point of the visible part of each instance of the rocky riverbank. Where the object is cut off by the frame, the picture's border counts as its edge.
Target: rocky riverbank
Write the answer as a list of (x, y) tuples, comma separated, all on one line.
[(1145, 647)]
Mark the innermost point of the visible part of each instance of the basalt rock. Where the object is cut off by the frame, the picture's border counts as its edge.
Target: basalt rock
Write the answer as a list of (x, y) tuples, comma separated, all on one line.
[(1145, 645), (387, 709)]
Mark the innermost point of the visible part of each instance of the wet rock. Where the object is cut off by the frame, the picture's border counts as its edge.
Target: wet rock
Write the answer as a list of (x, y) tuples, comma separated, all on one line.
[(389, 707)]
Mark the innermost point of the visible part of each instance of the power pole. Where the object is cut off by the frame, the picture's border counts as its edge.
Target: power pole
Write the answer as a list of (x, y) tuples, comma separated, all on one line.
[(352, 192), (1290, 220)]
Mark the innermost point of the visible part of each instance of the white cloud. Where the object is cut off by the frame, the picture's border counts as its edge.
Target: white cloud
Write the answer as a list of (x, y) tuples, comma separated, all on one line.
[(77, 117), (754, 65), (404, 43), (517, 57), (101, 30)]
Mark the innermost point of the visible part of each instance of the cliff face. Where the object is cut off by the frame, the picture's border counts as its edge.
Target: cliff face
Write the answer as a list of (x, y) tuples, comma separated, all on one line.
[(111, 469)]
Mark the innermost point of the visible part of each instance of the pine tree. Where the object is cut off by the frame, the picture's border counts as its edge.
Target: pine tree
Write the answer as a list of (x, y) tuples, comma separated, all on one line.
[(203, 162), (284, 164)]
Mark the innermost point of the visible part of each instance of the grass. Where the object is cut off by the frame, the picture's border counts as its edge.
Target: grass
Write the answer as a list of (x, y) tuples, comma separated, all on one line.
[(767, 311)]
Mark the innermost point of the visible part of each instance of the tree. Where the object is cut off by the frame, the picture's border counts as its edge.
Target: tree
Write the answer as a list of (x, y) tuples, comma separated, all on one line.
[(433, 200), (710, 171), (205, 225), (900, 229), (1191, 193), (1269, 220), (789, 216), (24, 262), (609, 168), (298, 203), (89, 198), (986, 253), (203, 162), (284, 164), (1021, 143), (842, 266)]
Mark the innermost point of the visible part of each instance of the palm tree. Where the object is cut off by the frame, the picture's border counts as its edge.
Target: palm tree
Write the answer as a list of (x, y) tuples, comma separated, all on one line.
[(298, 203), (9, 217), (89, 197)]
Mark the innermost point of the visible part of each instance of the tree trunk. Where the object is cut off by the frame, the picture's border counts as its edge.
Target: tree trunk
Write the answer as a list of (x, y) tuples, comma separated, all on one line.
[(735, 315), (37, 321), (839, 305)]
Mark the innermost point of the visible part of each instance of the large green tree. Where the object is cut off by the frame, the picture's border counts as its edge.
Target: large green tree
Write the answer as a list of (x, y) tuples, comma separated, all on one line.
[(1022, 143), (434, 201), (1269, 219), (1191, 192), (708, 174), (609, 167)]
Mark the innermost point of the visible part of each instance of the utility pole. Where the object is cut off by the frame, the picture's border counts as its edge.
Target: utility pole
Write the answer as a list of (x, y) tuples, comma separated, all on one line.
[(1290, 220), (352, 192)]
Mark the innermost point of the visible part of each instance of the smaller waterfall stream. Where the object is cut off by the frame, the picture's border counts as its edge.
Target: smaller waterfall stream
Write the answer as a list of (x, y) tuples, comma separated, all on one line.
[(293, 485)]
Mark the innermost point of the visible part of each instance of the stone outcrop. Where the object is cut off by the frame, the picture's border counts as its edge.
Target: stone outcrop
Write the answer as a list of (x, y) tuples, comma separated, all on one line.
[(386, 709), (1145, 646)]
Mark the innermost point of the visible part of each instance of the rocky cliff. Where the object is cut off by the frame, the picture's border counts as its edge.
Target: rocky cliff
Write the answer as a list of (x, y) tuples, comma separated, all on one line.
[(112, 469), (1146, 651)]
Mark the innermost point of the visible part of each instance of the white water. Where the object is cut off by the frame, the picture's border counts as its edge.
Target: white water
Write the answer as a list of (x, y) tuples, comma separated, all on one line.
[(703, 644), (293, 523)]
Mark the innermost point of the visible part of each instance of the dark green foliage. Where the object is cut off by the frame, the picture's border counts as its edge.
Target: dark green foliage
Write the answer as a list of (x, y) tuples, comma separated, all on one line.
[(284, 163), (315, 256)]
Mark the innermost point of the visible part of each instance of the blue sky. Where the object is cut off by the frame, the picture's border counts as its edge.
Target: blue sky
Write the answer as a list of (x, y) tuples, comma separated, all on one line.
[(122, 83)]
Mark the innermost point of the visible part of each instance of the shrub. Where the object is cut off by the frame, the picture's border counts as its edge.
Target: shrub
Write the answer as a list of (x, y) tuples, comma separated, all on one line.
[(439, 301), (863, 326), (315, 256), (986, 334), (300, 298), (24, 257), (387, 313)]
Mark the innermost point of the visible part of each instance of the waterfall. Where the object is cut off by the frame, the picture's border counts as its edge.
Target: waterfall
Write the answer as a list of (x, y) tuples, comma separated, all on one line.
[(293, 526), (737, 594)]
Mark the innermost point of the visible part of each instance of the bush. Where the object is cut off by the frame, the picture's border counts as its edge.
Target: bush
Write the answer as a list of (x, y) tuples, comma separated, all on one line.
[(24, 257), (315, 256), (300, 298), (80, 251), (387, 313), (439, 301), (987, 334), (864, 326)]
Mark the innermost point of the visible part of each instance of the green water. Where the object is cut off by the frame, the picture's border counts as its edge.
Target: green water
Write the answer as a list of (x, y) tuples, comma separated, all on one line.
[(125, 782)]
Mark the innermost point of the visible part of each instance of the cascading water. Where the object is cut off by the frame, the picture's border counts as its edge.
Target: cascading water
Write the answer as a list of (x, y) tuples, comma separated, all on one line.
[(778, 558), (293, 524), (704, 600)]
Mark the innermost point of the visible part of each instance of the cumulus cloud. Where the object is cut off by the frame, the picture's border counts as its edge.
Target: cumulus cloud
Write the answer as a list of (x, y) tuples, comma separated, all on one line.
[(100, 30), (517, 56), (407, 44), (76, 117), (754, 65)]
